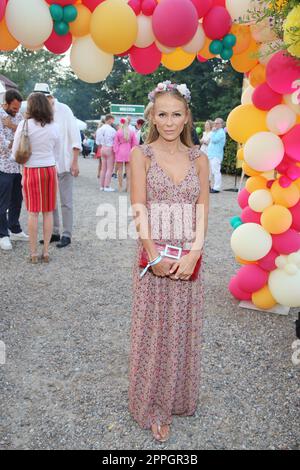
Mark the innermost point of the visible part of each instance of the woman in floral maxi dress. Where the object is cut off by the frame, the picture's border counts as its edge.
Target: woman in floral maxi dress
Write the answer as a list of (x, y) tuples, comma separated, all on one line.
[(168, 173)]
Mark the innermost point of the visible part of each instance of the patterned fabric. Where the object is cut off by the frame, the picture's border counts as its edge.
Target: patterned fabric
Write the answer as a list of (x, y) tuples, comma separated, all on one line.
[(7, 164), (40, 189), (166, 317)]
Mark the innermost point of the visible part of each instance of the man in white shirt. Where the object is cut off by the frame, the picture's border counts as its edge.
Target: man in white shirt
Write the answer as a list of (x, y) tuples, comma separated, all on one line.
[(105, 136), (67, 165), (131, 127)]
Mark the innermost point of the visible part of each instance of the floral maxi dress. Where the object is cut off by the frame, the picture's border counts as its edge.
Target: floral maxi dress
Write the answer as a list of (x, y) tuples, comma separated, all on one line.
[(166, 317)]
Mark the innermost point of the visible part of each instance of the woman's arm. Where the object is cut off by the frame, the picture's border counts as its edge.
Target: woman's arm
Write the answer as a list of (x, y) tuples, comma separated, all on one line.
[(17, 138)]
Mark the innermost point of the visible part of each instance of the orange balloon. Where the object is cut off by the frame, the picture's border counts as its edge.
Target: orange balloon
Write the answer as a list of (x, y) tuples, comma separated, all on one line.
[(81, 26), (240, 154), (276, 219), (243, 261), (297, 183), (263, 298), (257, 75), (247, 60), (248, 170), (256, 182), (177, 60), (287, 197), (205, 52), (7, 41), (243, 37)]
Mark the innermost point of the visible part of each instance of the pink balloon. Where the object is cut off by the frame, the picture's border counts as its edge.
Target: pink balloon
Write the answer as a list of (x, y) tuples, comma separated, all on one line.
[(250, 216), (201, 59), (220, 3), (265, 98), (91, 4), (58, 44), (268, 262), (175, 22), (202, 6), (148, 7), (293, 172), (243, 197), (284, 181), (62, 3), (287, 242), (217, 23), (291, 142), (145, 60), (236, 291), (136, 5), (252, 278), (2, 8), (282, 71), (295, 211)]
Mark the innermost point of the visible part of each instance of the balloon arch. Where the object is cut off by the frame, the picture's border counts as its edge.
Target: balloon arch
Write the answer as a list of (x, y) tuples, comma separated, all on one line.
[(266, 238)]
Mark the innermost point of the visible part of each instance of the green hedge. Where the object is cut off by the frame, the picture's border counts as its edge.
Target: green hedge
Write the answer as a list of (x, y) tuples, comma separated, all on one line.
[(229, 162)]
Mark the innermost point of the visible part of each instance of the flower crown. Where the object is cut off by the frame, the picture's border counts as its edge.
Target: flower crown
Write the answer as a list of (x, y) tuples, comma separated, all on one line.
[(168, 86)]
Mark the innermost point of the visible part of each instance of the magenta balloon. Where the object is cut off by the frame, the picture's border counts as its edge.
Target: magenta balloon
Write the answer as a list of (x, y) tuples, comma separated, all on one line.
[(2, 8), (236, 291), (287, 242), (202, 6), (62, 3), (175, 22), (268, 262), (250, 216), (295, 211), (217, 23), (243, 197), (91, 4), (148, 7), (145, 60), (282, 70), (291, 142), (136, 6), (293, 172), (252, 278), (284, 181), (58, 44), (265, 98)]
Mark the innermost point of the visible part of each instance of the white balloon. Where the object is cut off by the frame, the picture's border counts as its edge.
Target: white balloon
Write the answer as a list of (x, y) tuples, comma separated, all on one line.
[(289, 101), (263, 151), (145, 35), (251, 242), (260, 199), (281, 119), (284, 285), (238, 8), (196, 44), (29, 21), (88, 62), (266, 51), (164, 49), (247, 95)]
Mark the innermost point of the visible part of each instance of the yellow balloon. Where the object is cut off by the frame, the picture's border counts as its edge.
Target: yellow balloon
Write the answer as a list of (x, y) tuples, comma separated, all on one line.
[(276, 219), (243, 261), (177, 60), (247, 60), (248, 170), (287, 197), (245, 121), (114, 26), (256, 182), (81, 26), (263, 299)]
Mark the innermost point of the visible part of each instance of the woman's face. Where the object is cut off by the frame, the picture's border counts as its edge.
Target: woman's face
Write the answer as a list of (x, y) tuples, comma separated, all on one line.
[(207, 127), (169, 115)]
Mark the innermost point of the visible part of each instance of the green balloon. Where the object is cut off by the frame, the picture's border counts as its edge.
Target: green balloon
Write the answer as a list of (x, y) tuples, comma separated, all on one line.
[(61, 28), (70, 14), (226, 54), (57, 12), (198, 130), (216, 47), (236, 221), (229, 41)]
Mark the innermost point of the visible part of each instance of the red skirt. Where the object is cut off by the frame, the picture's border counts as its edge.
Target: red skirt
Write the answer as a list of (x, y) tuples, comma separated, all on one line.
[(40, 189)]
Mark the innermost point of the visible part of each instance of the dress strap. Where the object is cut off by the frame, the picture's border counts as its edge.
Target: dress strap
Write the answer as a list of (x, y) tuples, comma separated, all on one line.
[(195, 152), (147, 150)]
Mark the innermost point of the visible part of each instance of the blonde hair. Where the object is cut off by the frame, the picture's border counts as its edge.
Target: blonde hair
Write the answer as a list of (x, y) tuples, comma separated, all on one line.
[(186, 134), (125, 129)]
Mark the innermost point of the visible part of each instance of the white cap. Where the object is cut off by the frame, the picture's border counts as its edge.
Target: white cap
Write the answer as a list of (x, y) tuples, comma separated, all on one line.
[(42, 88)]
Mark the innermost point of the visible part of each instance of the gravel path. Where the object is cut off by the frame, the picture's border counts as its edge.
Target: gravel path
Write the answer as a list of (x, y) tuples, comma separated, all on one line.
[(66, 330)]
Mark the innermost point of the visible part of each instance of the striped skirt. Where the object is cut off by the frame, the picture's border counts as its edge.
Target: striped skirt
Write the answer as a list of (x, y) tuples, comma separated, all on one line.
[(40, 189)]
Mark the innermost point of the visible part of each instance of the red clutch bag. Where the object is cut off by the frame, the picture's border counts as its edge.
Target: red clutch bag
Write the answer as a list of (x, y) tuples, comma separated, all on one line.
[(170, 253)]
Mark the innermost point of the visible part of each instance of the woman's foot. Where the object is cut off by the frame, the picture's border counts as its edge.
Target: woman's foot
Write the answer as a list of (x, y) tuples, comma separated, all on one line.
[(45, 258), (33, 259), (160, 433)]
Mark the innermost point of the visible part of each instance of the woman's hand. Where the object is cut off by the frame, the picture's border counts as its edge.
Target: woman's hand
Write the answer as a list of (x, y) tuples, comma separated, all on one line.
[(162, 269), (184, 268)]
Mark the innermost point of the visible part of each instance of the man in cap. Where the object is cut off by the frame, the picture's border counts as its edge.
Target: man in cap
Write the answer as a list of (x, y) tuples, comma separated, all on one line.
[(67, 163)]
